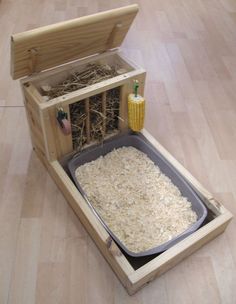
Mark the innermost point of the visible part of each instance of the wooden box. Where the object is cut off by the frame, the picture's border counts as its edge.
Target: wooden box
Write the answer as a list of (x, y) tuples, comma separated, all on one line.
[(95, 37)]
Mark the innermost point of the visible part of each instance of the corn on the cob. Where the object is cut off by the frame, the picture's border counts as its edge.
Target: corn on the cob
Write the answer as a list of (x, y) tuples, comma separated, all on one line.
[(136, 110)]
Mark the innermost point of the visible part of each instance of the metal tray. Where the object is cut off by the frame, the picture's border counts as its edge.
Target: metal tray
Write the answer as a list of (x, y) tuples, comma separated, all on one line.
[(139, 142)]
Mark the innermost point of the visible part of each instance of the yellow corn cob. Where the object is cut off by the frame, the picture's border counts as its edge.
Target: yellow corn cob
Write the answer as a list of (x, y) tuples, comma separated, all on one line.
[(136, 112)]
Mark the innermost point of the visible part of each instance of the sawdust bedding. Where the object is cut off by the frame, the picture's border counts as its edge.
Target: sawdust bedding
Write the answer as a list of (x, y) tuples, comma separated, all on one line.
[(139, 204)]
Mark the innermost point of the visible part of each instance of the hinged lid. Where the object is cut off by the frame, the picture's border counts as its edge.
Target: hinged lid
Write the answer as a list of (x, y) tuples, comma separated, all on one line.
[(53, 45)]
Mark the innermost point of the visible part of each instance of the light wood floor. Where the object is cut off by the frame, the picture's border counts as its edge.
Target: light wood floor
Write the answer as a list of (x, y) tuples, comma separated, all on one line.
[(189, 50)]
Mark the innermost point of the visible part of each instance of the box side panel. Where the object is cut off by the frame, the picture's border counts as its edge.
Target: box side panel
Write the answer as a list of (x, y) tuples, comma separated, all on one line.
[(34, 121)]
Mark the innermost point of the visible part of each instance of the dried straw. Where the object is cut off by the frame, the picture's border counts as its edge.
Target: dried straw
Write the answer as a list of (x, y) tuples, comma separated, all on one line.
[(98, 132), (93, 73), (102, 122)]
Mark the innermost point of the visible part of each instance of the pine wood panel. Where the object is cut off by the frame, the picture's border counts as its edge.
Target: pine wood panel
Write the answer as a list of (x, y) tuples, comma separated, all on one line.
[(53, 45)]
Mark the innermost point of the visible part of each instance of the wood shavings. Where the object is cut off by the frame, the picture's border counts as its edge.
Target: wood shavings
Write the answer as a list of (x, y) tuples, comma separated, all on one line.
[(139, 204)]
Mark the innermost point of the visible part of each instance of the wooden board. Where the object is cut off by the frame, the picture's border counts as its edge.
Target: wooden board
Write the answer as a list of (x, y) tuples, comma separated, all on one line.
[(31, 102), (133, 279), (53, 45)]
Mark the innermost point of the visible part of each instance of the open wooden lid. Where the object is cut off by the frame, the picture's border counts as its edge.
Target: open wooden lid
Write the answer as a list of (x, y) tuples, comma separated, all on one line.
[(53, 45)]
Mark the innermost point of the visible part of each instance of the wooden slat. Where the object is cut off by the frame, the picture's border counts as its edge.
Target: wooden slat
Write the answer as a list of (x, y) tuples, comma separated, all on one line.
[(52, 45), (123, 110)]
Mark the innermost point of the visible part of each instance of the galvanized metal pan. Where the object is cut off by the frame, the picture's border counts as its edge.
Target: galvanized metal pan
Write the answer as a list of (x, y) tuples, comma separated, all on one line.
[(138, 141)]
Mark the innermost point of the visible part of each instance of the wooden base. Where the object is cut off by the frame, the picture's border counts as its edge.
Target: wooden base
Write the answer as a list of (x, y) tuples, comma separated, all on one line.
[(133, 279), (51, 146)]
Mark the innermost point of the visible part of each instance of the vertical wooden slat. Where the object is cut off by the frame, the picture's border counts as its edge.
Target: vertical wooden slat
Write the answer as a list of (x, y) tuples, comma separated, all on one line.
[(87, 120), (123, 111), (104, 99)]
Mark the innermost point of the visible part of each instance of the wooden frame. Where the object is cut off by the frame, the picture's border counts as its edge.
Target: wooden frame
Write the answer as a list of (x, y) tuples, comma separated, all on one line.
[(51, 145), (31, 52), (133, 279)]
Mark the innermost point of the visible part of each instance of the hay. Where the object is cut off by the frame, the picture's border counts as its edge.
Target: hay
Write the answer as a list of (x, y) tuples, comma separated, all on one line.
[(103, 122), (78, 118), (93, 73), (140, 205)]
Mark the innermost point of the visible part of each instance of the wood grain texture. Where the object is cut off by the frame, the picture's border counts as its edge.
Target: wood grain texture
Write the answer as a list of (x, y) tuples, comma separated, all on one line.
[(204, 33), (53, 45)]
